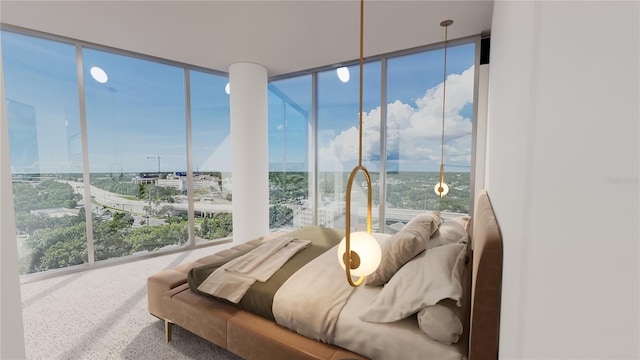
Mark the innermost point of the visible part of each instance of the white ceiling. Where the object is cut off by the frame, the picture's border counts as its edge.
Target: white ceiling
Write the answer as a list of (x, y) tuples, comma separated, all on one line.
[(284, 36)]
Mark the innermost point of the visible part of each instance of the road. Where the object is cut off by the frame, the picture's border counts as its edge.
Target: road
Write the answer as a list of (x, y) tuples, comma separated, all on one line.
[(116, 201)]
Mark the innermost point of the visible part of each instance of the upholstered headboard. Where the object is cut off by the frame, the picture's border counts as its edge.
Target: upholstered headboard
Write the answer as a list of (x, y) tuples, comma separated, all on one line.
[(486, 282)]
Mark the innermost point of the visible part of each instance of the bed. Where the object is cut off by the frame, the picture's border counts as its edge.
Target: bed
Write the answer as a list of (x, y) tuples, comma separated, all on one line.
[(400, 312)]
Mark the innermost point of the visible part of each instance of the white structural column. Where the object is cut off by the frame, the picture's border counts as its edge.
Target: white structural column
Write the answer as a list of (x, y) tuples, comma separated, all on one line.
[(11, 328), (249, 148)]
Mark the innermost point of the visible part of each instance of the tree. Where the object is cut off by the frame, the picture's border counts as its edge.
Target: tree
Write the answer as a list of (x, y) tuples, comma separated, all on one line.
[(279, 215), (109, 236), (166, 211), (59, 247), (149, 238), (65, 253), (220, 225), (177, 219), (45, 195)]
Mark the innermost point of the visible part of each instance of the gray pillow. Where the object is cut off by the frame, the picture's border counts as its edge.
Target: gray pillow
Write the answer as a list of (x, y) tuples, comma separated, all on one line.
[(403, 246), (442, 321), (431, 276), (451, 231)]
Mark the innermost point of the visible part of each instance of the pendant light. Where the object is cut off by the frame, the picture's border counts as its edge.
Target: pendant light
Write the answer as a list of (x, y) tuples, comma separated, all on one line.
[(441, 187), (359, 253)]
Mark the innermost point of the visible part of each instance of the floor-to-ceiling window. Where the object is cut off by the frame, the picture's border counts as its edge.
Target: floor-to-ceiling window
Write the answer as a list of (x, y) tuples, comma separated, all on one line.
[(134, 156), (43, 117), (338, 142), (414, 131), (290, 172), (100, 163), (211, 156), (402, 111), (136, 136)]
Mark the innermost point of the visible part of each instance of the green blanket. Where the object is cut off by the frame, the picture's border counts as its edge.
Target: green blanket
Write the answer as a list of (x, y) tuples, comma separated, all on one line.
[(259, 298)]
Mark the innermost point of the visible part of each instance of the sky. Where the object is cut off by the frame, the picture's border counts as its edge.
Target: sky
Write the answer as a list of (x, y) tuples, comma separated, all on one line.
[(138, 115), (414, 114)]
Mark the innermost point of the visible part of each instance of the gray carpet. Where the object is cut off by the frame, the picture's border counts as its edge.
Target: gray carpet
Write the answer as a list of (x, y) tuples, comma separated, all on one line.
[(102, 314)]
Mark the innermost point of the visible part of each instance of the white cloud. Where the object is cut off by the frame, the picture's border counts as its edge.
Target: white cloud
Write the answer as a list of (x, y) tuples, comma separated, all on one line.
[(413, 132)]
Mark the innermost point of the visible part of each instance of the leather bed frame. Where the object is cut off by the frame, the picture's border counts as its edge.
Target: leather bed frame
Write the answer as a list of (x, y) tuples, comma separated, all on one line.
[(253, 337)]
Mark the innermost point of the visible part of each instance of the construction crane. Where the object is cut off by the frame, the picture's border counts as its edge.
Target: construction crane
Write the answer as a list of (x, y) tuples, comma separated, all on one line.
[(158, 157)]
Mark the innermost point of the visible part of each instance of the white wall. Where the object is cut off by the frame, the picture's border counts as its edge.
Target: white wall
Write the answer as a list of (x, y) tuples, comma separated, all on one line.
[(480, 165), (11, 328), (562, 174)]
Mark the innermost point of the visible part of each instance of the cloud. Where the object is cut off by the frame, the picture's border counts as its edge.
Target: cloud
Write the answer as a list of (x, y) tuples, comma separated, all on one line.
[(413, 131)]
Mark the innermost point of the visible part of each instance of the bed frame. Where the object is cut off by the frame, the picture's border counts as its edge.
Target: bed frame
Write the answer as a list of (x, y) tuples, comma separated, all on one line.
[(486, 281), (253, 337)]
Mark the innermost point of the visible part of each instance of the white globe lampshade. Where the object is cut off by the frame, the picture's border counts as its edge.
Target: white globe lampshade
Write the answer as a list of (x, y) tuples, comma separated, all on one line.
[(445, 189), (367, 249)]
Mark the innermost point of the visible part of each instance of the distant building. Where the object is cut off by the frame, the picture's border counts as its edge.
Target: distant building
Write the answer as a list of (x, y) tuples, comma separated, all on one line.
[(143, 180), (330, 215), (176, 181), (179, 181)]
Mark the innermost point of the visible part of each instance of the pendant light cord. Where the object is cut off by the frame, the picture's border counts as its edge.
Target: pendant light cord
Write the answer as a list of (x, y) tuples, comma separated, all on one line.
[(350, 258), (361, 76), (444, 91)]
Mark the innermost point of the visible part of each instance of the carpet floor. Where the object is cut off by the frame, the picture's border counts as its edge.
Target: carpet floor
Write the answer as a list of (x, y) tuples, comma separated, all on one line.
[(102, 314)]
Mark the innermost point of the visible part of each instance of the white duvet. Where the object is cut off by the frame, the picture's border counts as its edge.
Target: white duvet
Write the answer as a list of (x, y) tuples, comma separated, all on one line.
[(317, 302), (311, 300)]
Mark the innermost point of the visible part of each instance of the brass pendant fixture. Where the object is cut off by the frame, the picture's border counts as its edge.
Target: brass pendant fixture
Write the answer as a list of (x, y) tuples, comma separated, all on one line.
[(359, 250), (441, 187)]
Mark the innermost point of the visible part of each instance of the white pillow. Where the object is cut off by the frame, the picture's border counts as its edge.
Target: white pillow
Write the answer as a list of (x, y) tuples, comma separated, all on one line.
[(431, 276), (464, 221), (404, 246), (441, 322), (451, 231)]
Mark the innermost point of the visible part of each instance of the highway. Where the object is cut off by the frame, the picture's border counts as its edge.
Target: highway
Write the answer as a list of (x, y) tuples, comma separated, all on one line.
[(136, 207), (116, 201)]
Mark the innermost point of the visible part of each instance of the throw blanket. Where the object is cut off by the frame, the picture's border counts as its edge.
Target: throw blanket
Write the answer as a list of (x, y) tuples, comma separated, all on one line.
[(326, 294), (232, 280), (259, 298)]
